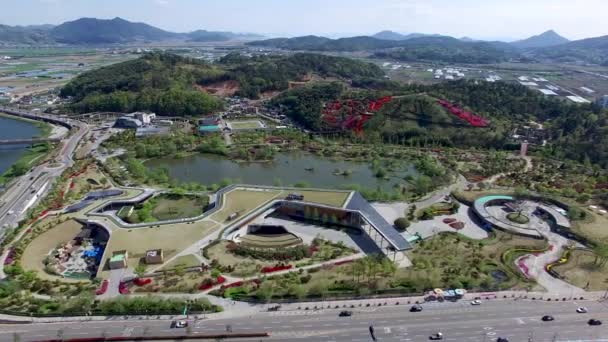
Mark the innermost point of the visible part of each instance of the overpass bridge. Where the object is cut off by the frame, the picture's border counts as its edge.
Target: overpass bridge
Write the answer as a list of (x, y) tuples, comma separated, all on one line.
[(27, 141)]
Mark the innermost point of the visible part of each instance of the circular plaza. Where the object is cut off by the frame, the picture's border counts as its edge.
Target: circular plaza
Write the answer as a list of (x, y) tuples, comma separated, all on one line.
[(520, 216)]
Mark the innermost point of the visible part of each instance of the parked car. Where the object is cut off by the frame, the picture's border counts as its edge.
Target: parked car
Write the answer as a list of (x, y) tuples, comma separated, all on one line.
[(502, 339), (345, 313), (548, 318), (416, 308), (582, 309), (476, 302), (594, 321), (436, 337)]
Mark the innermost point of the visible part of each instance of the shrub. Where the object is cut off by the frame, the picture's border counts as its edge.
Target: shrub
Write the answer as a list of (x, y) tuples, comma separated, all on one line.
[(402, 224)]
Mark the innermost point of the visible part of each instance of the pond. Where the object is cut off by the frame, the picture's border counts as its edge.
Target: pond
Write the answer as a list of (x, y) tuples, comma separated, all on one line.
[(287, 168)]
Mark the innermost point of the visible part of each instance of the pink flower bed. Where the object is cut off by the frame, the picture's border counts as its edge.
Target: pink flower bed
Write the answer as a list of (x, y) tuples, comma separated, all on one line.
[(102, 289), (524, 268), (123, 288), (276, 268)]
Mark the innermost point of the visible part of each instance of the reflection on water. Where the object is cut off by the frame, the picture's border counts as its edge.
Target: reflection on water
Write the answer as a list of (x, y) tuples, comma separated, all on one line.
[(286, 169)]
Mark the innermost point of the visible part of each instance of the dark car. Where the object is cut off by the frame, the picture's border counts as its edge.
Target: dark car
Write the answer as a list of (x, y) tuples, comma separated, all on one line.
[(345, 313), (594, 321), (436, 337), (416, 308), (548, 318), (502, 339)]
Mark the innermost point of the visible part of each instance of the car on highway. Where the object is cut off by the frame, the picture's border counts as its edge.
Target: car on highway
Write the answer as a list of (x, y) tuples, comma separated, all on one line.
[(581, 310), (345, 313), (502, 339), (476, 302), (436, 337), (594, 321), (548, 318), (416, 308), (179, 324)]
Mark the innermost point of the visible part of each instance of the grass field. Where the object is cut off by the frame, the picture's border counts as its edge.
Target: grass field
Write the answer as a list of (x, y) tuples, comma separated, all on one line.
[(252, 124), (594, 226), (171, 238), (39, 248), (183, 261), (167, 208), (243, 201), (581, 270)]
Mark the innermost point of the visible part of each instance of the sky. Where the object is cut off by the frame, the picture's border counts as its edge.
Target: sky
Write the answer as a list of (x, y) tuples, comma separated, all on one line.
[(479, 19)]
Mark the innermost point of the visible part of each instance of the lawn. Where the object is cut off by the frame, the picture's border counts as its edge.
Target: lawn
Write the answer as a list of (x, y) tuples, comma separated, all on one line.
[(582, 271), (39, 248), (182, 261), (171, 238), (331, 198), (169, 207), (594, 226), (243, 201), (254, 124)]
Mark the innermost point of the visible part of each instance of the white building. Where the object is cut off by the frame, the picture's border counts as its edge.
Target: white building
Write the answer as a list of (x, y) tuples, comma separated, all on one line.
[(145, 118)]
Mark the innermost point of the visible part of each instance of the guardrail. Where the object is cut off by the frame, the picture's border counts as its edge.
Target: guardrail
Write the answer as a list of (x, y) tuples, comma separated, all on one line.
[(38, 117)]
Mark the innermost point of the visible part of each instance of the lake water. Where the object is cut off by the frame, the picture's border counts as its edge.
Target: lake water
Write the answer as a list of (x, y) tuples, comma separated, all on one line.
[(290, 168), (14, 129)]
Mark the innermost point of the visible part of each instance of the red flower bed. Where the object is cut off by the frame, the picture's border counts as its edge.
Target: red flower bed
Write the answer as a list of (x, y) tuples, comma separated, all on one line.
[(123, 288), (457, 225), (220, 280), (205, 287), (449, 220), (343, 262), (276, 268), (142, 281), (235, 284), (101, 290), (209, 283)]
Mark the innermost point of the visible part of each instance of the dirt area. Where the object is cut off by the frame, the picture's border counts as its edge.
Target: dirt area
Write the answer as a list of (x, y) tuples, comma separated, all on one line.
[(243, 201), (171, 238), (583, 271), (39, 248), (91, 179), (223, 89)]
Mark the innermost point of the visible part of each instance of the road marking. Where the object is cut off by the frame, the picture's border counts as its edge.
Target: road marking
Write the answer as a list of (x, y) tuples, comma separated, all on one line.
[(387, 330), (520, 321), (127, 332)]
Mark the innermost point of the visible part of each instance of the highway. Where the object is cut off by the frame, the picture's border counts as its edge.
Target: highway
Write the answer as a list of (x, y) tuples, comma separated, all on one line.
[(516, 320), (26, 191)]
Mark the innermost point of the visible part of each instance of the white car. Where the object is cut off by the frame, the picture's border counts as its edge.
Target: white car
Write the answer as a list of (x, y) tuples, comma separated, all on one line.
[(581, 310), (181, 324), (476, 302)]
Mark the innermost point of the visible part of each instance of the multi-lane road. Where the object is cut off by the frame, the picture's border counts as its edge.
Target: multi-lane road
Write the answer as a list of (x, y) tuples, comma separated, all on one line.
[(30, 188), (515, 320)]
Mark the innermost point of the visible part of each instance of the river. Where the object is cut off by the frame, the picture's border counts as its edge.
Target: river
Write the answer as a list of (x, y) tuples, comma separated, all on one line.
[(14, 129), (287, 168)]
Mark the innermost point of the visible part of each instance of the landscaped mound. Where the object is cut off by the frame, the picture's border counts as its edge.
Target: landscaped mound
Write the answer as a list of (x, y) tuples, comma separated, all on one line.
[(518, 218)]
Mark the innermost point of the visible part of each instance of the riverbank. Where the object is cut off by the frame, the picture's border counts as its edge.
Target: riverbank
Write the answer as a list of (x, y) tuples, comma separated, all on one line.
[(31, 155)]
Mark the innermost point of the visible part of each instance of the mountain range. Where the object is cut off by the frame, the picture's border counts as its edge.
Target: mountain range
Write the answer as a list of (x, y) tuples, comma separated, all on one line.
[(92, 31)]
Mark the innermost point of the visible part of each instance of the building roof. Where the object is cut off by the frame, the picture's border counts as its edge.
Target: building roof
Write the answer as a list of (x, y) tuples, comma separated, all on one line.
[(358, 203), (209, 128)]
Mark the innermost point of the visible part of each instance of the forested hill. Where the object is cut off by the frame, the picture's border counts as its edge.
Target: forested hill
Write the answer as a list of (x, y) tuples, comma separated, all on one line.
[(578, 132), (167, 84), (256, 75), (162, 83), (433, 48)]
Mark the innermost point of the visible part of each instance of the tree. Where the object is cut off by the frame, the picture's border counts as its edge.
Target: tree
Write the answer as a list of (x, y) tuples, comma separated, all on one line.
[(402, 224), (140, 270)]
